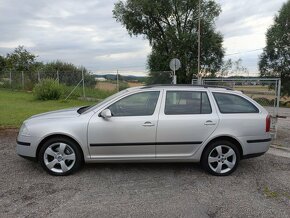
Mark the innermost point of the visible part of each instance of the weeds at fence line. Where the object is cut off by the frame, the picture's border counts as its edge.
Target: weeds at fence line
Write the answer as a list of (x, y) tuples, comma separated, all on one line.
[(84, 88)]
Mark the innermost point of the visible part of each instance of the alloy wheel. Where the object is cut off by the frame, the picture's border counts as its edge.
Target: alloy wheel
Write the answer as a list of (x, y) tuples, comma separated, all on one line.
[(59, 157), (222, 159)]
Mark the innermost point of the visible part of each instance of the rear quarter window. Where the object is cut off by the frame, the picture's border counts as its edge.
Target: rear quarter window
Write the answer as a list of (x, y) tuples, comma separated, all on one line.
[(230, 104)]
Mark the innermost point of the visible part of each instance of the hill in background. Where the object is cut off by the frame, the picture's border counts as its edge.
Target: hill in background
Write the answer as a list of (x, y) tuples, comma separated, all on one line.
[(129, 78)]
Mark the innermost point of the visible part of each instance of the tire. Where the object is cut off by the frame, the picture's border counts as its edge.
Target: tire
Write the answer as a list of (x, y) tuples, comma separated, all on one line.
[(220, 158), (60, 156)]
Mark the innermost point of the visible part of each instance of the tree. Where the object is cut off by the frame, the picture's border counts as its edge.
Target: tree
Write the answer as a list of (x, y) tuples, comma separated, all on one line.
[(233, 68), (21, 60), (275, 59), (67, 73), (171, 27), (158, 61), (2, 64)]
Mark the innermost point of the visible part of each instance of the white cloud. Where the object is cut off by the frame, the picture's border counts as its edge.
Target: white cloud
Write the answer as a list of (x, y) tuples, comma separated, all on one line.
[(13, 44), (244, 25), (85, 33)]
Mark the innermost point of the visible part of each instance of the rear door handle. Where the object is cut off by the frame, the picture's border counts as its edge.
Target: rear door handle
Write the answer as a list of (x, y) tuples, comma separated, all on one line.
[(209, 123), (148, 124)]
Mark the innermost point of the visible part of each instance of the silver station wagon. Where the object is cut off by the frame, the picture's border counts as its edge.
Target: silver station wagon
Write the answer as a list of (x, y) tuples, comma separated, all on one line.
[(215, 126)]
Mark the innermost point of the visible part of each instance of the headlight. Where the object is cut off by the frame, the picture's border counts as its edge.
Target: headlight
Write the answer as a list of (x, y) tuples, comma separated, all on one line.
[(24, 130)]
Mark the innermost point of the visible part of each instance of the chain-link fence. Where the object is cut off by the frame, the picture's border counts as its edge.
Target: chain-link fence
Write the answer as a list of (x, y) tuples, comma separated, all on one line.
[(74, 84)]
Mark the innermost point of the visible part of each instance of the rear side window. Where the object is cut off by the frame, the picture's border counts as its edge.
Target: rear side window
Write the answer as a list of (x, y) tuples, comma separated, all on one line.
[(186, 102), (229, 103)]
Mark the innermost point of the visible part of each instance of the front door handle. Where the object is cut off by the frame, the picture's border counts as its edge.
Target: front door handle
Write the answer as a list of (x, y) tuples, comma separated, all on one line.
[(209, 123), (148, 124)]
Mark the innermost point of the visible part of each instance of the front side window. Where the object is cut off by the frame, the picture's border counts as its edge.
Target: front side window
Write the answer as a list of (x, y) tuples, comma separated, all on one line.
[(187, 102), (229, 103), (139, 104)]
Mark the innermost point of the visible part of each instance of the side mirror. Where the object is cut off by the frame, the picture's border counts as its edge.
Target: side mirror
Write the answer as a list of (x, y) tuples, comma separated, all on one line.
[(106, 114)]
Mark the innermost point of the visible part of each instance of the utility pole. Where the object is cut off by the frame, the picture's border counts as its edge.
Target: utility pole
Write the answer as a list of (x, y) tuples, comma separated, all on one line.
[(199, 36)]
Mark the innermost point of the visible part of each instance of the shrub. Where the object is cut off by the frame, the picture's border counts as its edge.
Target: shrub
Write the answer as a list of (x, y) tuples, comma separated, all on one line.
[(47, 89), (123, 85)]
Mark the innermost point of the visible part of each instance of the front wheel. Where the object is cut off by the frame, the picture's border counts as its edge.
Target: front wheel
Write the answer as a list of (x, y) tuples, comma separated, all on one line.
[(220, 158), (60, 156)]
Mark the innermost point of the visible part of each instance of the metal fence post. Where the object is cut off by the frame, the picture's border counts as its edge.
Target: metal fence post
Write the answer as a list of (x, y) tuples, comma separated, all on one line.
[(10, 79), (22, 73), (38, 76), (57, 76), (117, 81), (278, 97), (83, 79)]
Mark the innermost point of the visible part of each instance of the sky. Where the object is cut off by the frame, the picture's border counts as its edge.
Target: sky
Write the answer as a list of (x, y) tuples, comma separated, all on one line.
[(85, 33)]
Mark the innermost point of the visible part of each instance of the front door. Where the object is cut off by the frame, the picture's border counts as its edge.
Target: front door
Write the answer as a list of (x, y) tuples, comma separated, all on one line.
[(131, 131), (186, 120)]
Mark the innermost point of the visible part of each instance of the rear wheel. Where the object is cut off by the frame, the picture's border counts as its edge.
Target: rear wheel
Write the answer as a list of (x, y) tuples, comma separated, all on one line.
[(220, 158), (60, 156)]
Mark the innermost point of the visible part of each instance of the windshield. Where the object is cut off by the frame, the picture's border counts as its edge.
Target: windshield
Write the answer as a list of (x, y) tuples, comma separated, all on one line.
[(89, 108)]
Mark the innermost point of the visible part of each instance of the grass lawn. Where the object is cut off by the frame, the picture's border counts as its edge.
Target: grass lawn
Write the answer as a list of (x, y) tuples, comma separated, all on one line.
[(16, 106)]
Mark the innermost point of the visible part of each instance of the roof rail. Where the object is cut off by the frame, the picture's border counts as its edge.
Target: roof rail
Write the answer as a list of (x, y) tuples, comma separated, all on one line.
[(186, 85)]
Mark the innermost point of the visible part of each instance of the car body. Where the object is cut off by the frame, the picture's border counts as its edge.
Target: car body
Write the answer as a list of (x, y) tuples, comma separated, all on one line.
[(212, 125)]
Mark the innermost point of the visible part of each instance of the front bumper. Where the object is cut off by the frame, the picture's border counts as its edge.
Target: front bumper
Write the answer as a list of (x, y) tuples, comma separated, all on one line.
[(25, 146)]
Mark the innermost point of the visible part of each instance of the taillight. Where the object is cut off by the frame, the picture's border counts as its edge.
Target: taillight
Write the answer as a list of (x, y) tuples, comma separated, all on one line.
[(268, 123)]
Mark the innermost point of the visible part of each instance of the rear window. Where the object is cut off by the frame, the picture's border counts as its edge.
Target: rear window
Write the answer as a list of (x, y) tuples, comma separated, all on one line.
[(229, 103), (187, 102)]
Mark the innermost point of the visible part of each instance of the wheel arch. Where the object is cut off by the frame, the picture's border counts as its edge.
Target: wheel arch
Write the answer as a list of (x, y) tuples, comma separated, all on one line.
[(226, 138), (45, 139)]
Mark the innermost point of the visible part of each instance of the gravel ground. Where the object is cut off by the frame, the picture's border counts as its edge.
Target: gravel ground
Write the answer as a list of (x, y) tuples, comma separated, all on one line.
[(259, 188)]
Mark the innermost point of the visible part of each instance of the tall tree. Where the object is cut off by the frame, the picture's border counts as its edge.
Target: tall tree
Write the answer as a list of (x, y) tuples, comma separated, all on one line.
[(2, 64), (21, 60), (171, 26), (275, 59)]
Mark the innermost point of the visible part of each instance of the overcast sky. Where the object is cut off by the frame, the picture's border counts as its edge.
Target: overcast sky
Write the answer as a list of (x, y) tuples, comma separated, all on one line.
[(83, 32)]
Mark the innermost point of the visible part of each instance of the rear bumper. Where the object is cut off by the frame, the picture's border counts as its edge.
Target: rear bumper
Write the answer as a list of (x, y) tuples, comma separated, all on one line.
[(255, 146), (253, 155)]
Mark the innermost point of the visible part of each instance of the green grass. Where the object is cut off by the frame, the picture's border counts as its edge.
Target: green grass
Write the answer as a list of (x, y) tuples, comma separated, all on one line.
[(269, 193), (89, 92), (16, 106)]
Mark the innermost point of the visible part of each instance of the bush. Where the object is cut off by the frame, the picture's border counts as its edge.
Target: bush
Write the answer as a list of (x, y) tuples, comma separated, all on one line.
[(48, 89), (123, 85)]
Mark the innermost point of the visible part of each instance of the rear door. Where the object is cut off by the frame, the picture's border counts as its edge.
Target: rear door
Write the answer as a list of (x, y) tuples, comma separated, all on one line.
[(186, 120)]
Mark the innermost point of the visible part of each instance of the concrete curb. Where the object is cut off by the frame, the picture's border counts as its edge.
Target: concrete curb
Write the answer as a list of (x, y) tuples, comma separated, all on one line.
[(280, 148)]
